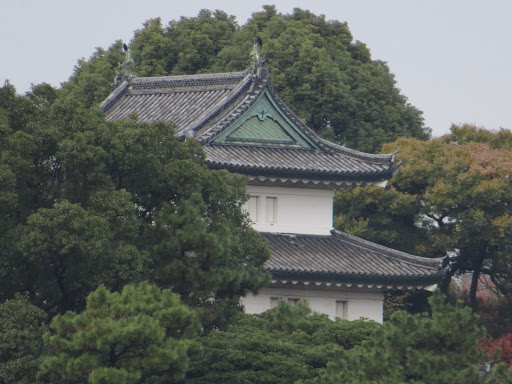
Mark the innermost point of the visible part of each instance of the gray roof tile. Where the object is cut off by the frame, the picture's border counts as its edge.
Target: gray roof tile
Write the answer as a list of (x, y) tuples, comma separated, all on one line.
[(344, 258), (207, 104), (270, 161)]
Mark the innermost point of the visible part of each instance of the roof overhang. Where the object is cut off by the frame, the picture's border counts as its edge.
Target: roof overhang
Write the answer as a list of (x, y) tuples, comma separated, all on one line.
[(281, 283), (311, 183), (358, 281)]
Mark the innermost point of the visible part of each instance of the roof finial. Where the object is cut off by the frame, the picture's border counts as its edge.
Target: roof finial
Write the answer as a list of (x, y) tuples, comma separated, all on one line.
[(123, 72), (256, 55)]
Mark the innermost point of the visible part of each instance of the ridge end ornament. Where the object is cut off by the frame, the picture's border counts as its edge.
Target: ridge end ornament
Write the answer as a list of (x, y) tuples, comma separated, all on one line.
[(258, 60), (123, 72)]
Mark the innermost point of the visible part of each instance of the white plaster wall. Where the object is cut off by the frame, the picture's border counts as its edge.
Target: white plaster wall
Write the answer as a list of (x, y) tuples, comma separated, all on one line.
[(299, 210), (367, 305)]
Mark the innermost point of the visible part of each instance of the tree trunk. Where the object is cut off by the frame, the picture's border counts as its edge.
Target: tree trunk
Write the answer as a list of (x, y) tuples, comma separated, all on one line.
[(445, 282), (473, 288)]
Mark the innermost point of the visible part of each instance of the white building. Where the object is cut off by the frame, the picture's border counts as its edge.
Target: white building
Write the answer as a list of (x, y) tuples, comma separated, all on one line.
[(293, 174)]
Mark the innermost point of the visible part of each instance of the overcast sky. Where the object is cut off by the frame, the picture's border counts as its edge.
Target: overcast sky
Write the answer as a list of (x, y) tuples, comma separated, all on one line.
[(451, 58)]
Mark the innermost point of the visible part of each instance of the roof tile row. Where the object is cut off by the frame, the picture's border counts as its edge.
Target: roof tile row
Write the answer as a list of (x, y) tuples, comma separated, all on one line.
[(345, 258), (312, 163), (205, 105)]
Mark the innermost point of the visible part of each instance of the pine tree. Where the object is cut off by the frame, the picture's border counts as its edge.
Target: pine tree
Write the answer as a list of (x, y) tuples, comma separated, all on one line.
[(139, 335)]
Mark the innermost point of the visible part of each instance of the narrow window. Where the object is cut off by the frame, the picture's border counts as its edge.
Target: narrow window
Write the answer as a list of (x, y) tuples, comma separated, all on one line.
[(271, 210), (342, 309), (253, 208), (293, 302), (274, 301)]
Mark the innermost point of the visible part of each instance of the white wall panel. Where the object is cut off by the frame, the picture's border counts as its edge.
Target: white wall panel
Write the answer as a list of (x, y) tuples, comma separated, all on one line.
[(367, 305), (291, 210)]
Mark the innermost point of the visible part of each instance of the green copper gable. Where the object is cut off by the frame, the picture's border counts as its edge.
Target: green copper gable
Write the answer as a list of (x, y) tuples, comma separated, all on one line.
[(264, 124)]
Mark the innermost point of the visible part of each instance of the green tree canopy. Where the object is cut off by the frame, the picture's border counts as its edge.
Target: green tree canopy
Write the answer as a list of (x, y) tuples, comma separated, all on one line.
[(292, 345), (139, 335), (282, 345), (88, 202), (435, 348), (21, 342)]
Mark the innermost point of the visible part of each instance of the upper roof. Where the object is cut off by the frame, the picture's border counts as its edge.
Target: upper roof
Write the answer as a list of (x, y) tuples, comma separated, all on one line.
[(344, 258), (183, 100), (244, 127)]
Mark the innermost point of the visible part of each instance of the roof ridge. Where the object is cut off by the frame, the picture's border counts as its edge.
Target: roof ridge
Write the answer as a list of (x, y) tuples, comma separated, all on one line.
[(257, 85), (185, 80), (325, 144), (114, 96), (214, 110), (407, 257), (381, 158), (178, 81)]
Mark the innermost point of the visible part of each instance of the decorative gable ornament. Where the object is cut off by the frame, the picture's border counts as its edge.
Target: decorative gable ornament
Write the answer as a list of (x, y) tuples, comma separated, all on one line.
[(264, 124), (263, 113)]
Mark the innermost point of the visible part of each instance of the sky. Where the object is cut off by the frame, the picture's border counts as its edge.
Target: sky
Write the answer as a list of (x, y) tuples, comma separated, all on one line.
[(452, 59)]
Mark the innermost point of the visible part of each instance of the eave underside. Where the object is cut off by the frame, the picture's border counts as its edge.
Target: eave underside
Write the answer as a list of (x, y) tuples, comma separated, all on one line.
[(369, 286)]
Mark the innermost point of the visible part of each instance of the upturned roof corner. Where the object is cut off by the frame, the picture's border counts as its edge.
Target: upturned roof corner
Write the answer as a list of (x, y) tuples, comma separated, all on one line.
[(345, 258)]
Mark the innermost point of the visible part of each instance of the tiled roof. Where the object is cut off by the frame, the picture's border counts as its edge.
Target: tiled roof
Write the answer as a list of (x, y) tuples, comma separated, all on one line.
[(183, 100), (203, 106), (347, 259), (315, 164)]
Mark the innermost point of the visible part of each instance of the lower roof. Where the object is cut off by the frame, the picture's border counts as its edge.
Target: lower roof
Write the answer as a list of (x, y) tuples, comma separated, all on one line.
[(268, 161), (343, 258)]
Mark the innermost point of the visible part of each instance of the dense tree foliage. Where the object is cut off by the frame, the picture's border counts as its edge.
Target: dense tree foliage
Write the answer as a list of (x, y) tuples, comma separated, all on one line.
[(428, 349), (451, 196), (283, 345), (381, 215), (292, 345), (86, 202), (21, 345), (325, 76), (139, 335)]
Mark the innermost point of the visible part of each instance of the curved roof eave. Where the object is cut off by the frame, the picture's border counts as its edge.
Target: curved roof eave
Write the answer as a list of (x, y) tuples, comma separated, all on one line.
[(346, 258), (244, 89)]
